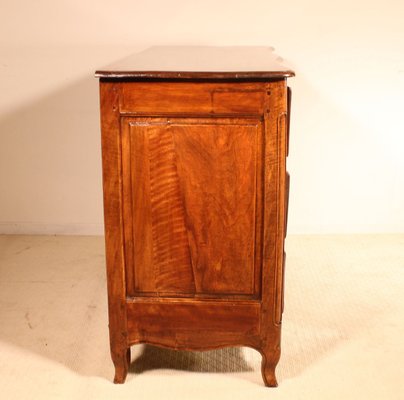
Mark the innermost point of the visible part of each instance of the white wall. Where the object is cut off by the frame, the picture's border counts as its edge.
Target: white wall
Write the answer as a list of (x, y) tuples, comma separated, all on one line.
[(347, 142)]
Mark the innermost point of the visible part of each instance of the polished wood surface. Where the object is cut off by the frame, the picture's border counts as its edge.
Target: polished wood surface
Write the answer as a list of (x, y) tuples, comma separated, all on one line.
[(113, 225), (166, 319), (195, 200), (199, 62), (201, 178), (187, 98)]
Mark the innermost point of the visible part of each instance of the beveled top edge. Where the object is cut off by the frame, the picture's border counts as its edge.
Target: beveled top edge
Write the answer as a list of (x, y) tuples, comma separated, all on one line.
[(193, 74), (199, 62)]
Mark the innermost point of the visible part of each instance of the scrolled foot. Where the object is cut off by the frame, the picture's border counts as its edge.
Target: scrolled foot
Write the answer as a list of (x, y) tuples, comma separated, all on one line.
[(121, 363), (269, 361), (268, 375)]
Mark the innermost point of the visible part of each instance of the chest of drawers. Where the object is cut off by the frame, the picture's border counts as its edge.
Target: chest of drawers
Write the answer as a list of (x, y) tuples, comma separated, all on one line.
[(194, 147)]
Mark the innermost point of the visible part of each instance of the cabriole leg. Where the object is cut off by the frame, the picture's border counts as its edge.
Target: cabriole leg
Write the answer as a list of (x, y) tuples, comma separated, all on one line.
[(121, 360), (270, 358)]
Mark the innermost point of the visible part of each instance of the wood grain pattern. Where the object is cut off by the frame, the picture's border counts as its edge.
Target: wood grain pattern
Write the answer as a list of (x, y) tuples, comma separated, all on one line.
[(217, 168), (201, 177), (168, 318), (195, 201), (273, 230), (136, 184), (171, 255), (192, 98), (113, 222), (160, 251)]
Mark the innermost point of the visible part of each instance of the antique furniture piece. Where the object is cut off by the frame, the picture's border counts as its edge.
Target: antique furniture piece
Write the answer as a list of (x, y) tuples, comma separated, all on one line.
[(194, 146)]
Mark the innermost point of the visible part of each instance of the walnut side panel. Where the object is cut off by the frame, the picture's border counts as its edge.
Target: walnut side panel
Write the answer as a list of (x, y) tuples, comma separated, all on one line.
[(195, 187)]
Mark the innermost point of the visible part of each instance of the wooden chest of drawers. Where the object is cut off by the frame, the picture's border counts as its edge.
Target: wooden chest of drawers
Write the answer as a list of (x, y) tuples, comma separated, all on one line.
[(194, 147)]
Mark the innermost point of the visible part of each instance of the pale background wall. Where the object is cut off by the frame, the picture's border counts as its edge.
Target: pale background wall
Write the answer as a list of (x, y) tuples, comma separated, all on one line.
[(347, 139)]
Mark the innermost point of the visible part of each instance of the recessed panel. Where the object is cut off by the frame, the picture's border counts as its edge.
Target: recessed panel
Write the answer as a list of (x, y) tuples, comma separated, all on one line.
[(192, 187)]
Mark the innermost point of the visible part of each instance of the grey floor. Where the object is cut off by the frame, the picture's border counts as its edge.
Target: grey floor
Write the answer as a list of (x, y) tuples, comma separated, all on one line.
[(343, 329)]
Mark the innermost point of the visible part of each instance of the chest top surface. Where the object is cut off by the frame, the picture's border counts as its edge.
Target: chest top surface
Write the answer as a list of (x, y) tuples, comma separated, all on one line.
[(199, 62)]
